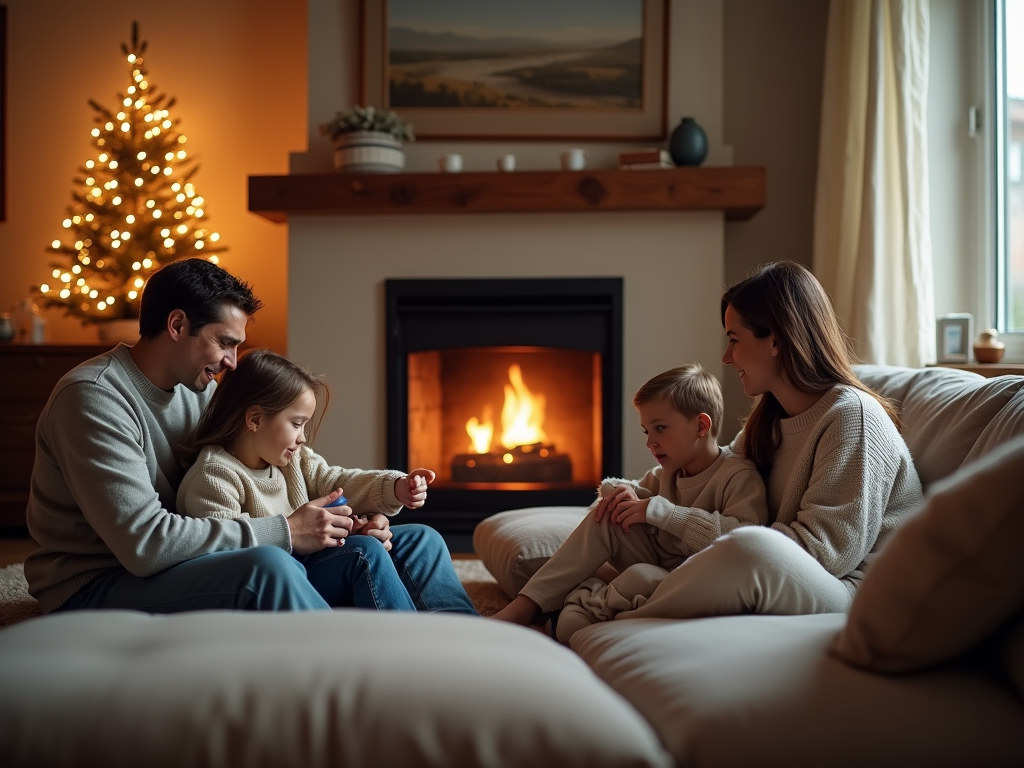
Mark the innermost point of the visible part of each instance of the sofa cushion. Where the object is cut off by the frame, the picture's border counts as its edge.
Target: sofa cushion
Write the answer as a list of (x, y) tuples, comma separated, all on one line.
[(515, 544), (944, 411), (1004, 426), (339, 688), (949, 576), (763, 690)]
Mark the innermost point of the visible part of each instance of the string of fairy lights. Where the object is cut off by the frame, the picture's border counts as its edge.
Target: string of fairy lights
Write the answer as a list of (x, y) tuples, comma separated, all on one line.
[(136, 208)]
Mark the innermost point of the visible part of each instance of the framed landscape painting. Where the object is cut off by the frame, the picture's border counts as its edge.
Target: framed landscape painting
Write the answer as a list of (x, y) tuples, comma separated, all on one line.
[(532, 69)]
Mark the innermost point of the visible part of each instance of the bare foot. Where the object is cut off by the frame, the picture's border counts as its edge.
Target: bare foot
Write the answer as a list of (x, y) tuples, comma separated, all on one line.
[(522, 610)]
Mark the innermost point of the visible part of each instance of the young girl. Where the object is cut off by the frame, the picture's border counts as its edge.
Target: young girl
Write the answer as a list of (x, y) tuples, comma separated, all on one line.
[(249, 459)]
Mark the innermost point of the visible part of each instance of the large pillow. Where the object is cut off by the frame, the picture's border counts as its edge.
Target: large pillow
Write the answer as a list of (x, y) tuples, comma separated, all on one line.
[(751, 691), (331, 688), (944, 411), (515, 544), (948, 576)]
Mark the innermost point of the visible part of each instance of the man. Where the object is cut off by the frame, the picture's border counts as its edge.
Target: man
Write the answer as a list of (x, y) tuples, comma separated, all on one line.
[(102, 502)]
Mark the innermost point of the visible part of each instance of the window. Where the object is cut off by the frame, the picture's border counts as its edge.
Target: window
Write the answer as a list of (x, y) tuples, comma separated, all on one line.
[(1009, 128)]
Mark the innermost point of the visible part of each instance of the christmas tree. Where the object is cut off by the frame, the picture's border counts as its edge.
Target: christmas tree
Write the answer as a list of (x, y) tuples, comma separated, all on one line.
[(136, 208)]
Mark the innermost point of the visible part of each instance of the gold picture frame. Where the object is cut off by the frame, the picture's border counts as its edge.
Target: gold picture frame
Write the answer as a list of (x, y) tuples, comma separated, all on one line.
[(625, 121)]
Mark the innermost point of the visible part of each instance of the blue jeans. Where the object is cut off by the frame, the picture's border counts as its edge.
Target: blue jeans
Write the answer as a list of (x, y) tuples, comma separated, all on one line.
[(417, 573), (267, 578)]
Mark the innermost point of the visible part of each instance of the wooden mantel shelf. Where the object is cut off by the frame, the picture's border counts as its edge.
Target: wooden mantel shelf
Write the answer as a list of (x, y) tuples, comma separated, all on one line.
[(739, 192)]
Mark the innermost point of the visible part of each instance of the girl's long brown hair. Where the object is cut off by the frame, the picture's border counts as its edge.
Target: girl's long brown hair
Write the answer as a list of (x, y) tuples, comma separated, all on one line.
[(783, 299), (264, 379)]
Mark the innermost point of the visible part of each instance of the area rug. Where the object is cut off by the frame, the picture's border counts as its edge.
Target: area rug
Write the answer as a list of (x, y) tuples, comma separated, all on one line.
[(17, 605)]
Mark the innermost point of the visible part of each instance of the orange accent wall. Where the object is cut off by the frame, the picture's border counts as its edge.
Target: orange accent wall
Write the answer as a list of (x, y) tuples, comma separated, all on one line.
[(238, 70)]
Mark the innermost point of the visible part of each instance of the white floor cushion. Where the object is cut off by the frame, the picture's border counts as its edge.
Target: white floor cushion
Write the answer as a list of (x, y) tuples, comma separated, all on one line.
[(763, 690), (341, 688), (515, 544)]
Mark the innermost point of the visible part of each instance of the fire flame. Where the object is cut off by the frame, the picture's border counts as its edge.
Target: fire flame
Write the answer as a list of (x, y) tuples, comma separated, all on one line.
[(481, 432), (522, 417)]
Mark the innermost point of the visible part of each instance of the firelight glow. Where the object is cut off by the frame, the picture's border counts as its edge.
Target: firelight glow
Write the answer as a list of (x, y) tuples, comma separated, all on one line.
[(522, 417)]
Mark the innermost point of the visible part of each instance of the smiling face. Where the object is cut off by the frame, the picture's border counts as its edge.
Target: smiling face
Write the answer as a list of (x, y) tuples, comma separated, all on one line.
[(200, 358), (672, 437), (752, 357), (276, 438)]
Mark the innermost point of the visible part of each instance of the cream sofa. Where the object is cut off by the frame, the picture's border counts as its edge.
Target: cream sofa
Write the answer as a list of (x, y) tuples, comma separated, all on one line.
[(928, 669), (931, 670)]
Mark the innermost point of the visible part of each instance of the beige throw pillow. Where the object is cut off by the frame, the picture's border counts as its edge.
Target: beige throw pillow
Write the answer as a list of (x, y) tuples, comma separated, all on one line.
[(949, 576)]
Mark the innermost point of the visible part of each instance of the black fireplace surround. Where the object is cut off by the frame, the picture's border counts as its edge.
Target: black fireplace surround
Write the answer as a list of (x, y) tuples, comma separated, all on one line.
[(583, 314)]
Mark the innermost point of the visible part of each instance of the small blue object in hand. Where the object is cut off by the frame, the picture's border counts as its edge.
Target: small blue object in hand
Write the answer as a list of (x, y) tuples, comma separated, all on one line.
[(338, 502)]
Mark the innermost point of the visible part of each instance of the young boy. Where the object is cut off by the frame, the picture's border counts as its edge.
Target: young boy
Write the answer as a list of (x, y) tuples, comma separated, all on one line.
[(698, 492)]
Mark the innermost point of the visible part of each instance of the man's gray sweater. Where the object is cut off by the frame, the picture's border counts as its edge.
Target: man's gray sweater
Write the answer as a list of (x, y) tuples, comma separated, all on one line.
[(105, 480)]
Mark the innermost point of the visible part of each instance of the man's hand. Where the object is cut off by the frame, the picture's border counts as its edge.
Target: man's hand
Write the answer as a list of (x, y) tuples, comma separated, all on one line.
[(610, 502), (378, 526), (630, 512), (411, 490), (314, 528)]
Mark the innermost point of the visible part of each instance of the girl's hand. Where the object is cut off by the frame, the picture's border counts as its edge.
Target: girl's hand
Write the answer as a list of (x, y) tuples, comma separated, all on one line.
[(314, 528), (630, 512), (608, 504), (411, 490), (379, 527)]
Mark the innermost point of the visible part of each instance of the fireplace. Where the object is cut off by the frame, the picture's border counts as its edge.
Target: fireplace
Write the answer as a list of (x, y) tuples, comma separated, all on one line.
[(509, 389)]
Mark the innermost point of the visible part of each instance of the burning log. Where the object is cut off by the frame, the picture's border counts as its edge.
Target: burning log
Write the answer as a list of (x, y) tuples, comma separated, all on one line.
[(533, 463)]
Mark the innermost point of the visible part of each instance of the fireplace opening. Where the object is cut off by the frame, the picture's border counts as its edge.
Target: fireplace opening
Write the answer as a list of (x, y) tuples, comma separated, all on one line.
[(510, 390)]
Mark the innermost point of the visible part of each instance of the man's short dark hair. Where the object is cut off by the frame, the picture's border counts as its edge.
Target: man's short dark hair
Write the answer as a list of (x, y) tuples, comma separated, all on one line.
[(198, 288)]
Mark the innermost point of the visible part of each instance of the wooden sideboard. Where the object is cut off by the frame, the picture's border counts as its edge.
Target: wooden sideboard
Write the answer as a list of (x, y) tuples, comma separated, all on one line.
[(30, 372), (988, 370)]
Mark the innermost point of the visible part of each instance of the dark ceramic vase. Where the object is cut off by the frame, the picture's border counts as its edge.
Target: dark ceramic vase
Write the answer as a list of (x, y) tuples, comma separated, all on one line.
[(688, 144)]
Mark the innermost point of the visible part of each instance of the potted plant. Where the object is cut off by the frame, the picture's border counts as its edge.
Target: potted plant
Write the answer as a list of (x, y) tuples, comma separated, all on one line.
[(368, 140)]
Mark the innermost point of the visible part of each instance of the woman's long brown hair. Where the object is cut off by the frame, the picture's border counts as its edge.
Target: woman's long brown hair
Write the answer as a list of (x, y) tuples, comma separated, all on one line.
[(264, 379), (783, 299)]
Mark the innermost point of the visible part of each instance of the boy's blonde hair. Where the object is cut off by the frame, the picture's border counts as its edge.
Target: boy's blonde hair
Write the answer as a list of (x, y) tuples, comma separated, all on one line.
[(690, 390)]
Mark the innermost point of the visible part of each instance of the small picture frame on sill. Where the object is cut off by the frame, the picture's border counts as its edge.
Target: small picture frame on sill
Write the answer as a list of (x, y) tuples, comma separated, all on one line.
[(953, 335)]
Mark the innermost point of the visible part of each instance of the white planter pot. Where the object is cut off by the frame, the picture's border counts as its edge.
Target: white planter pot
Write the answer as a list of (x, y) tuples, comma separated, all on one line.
[(368, 152), (114, 331)]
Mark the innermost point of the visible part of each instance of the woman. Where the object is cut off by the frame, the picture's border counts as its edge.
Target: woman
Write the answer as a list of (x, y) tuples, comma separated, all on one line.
[(838, 474)]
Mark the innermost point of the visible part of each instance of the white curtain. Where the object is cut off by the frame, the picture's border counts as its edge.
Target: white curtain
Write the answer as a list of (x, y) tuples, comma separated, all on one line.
[(872, 242)]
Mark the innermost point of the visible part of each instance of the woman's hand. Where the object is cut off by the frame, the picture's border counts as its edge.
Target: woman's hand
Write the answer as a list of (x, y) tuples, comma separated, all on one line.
[(378, 526), (314, 528), (630, 512), (610, 502), (411, 490)]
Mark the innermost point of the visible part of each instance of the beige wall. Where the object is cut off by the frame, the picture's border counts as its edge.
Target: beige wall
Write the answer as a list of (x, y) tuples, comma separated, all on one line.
[(774, 68), (672, 262), (238, 70)]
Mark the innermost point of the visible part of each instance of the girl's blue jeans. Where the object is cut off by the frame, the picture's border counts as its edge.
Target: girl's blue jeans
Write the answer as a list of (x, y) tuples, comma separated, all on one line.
[(417, 574)]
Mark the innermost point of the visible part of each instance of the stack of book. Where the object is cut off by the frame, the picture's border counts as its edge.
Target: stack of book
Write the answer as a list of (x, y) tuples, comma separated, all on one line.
[(645, 159)]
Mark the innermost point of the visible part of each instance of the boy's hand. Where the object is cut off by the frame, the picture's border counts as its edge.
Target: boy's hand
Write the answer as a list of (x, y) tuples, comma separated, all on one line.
[(378, 526), (411, 490), (630, 512), (611, 501)]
